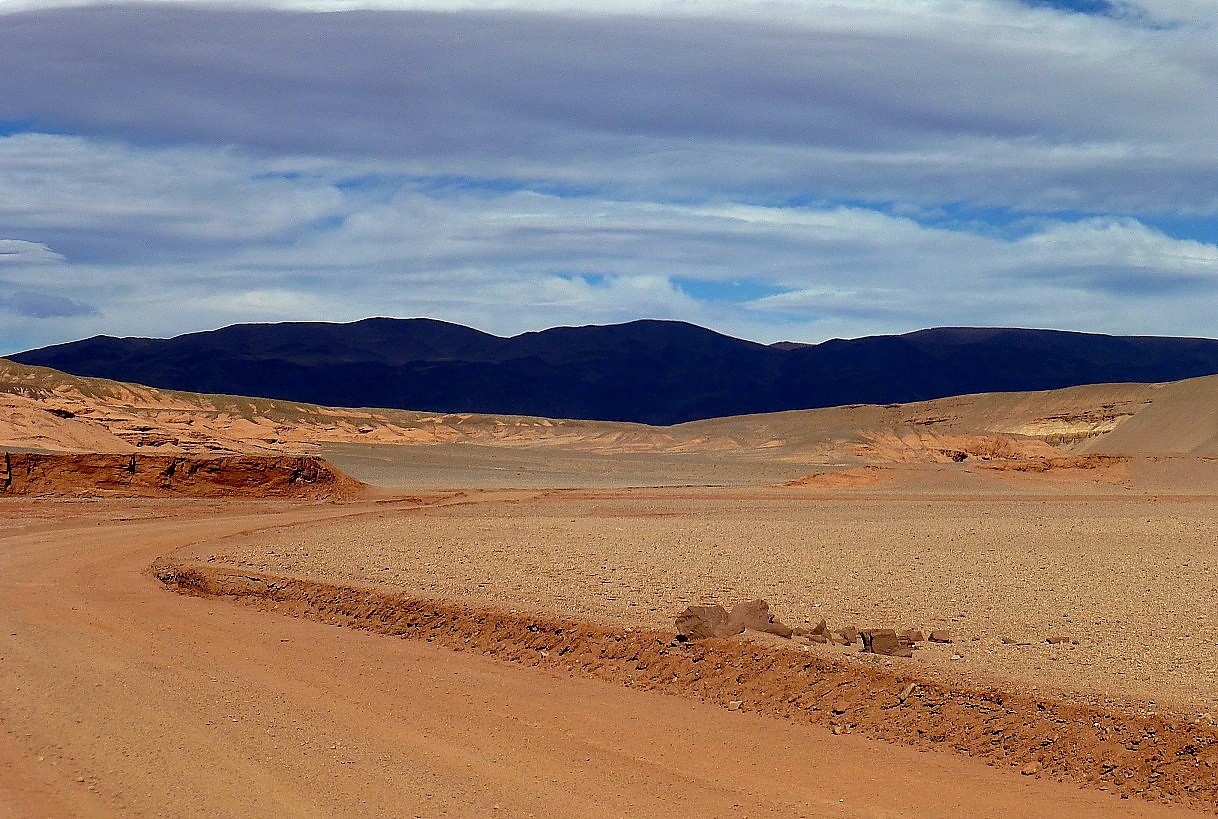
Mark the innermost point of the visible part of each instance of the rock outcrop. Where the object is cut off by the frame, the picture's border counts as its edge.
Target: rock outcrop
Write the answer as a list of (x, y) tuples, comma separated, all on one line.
[(130, 475)]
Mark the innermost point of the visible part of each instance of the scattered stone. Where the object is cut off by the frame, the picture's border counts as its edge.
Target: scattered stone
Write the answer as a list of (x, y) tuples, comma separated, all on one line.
[(1007, 641), (818, 634), (907, 692), (734, 705), (846, 636), (940, 636), (839, 707), (869, 634), (1055, 639), (1031, 769)]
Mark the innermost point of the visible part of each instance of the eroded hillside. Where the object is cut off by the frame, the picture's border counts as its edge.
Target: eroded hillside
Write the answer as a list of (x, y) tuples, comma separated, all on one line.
[(45, 410)]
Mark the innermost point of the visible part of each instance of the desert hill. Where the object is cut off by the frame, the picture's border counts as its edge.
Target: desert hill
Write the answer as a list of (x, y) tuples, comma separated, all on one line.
[(654, 372), (45, 410)]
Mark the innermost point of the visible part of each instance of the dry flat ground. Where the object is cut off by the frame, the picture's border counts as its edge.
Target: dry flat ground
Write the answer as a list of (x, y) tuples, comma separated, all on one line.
[(118, 698), (1132, 580)]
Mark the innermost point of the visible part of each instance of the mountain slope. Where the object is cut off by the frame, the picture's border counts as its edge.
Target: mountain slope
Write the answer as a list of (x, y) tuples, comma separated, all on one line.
[(653, 372)]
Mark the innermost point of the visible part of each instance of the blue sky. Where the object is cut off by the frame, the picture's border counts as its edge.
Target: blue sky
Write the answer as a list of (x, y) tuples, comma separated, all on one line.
[(770, 169)]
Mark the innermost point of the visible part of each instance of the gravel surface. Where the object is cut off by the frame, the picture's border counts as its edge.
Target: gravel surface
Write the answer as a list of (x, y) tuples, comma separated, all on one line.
[(1131, 580)]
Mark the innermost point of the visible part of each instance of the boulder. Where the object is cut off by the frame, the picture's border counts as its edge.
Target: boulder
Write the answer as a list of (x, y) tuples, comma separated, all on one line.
[(700, 622), (756, 615), (885, 641)]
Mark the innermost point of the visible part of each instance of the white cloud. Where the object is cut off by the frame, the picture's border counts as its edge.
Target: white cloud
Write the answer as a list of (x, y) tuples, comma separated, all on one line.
[(15, 251), (514, 260), (51, 184)]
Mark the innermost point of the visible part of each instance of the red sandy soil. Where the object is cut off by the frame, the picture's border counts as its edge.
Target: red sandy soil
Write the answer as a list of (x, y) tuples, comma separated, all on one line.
[(117, 698), (860, 476), (1157, 757)]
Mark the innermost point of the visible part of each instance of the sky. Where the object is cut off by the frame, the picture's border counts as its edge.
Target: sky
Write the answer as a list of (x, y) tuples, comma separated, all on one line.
[(774, 170)]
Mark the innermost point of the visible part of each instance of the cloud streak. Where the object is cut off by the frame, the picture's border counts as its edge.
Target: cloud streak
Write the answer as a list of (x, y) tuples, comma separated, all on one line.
[(42, 305), (1076, 109)]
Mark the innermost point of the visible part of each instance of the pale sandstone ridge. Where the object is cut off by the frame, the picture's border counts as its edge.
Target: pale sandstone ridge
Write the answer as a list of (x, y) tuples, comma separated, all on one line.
[(142, 475), (50, 411)]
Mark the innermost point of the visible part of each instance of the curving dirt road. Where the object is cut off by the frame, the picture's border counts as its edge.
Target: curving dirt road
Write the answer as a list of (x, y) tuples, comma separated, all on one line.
[(118, 698)]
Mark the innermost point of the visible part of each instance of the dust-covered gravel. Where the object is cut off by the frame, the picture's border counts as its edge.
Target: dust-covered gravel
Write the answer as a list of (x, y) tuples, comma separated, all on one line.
[(1131, 580)]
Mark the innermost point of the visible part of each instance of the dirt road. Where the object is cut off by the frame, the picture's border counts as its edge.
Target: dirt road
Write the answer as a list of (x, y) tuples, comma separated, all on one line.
[(120, 698)]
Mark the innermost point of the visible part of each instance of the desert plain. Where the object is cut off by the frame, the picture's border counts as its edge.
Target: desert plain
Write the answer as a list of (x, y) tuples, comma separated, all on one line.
[(474, 615)]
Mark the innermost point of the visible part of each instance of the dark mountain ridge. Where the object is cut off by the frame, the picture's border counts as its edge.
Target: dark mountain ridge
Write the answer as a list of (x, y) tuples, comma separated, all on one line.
[(657, 372)]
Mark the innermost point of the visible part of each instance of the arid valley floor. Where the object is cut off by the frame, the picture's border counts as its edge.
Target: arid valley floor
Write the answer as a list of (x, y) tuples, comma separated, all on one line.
[(485, 625)]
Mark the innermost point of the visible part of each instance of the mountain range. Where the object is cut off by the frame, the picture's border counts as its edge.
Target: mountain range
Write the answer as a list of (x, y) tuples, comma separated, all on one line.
[(655, 372)]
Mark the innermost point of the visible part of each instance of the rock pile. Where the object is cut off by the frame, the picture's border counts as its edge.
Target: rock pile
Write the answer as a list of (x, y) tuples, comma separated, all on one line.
[(702, 622), (821, 634)]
